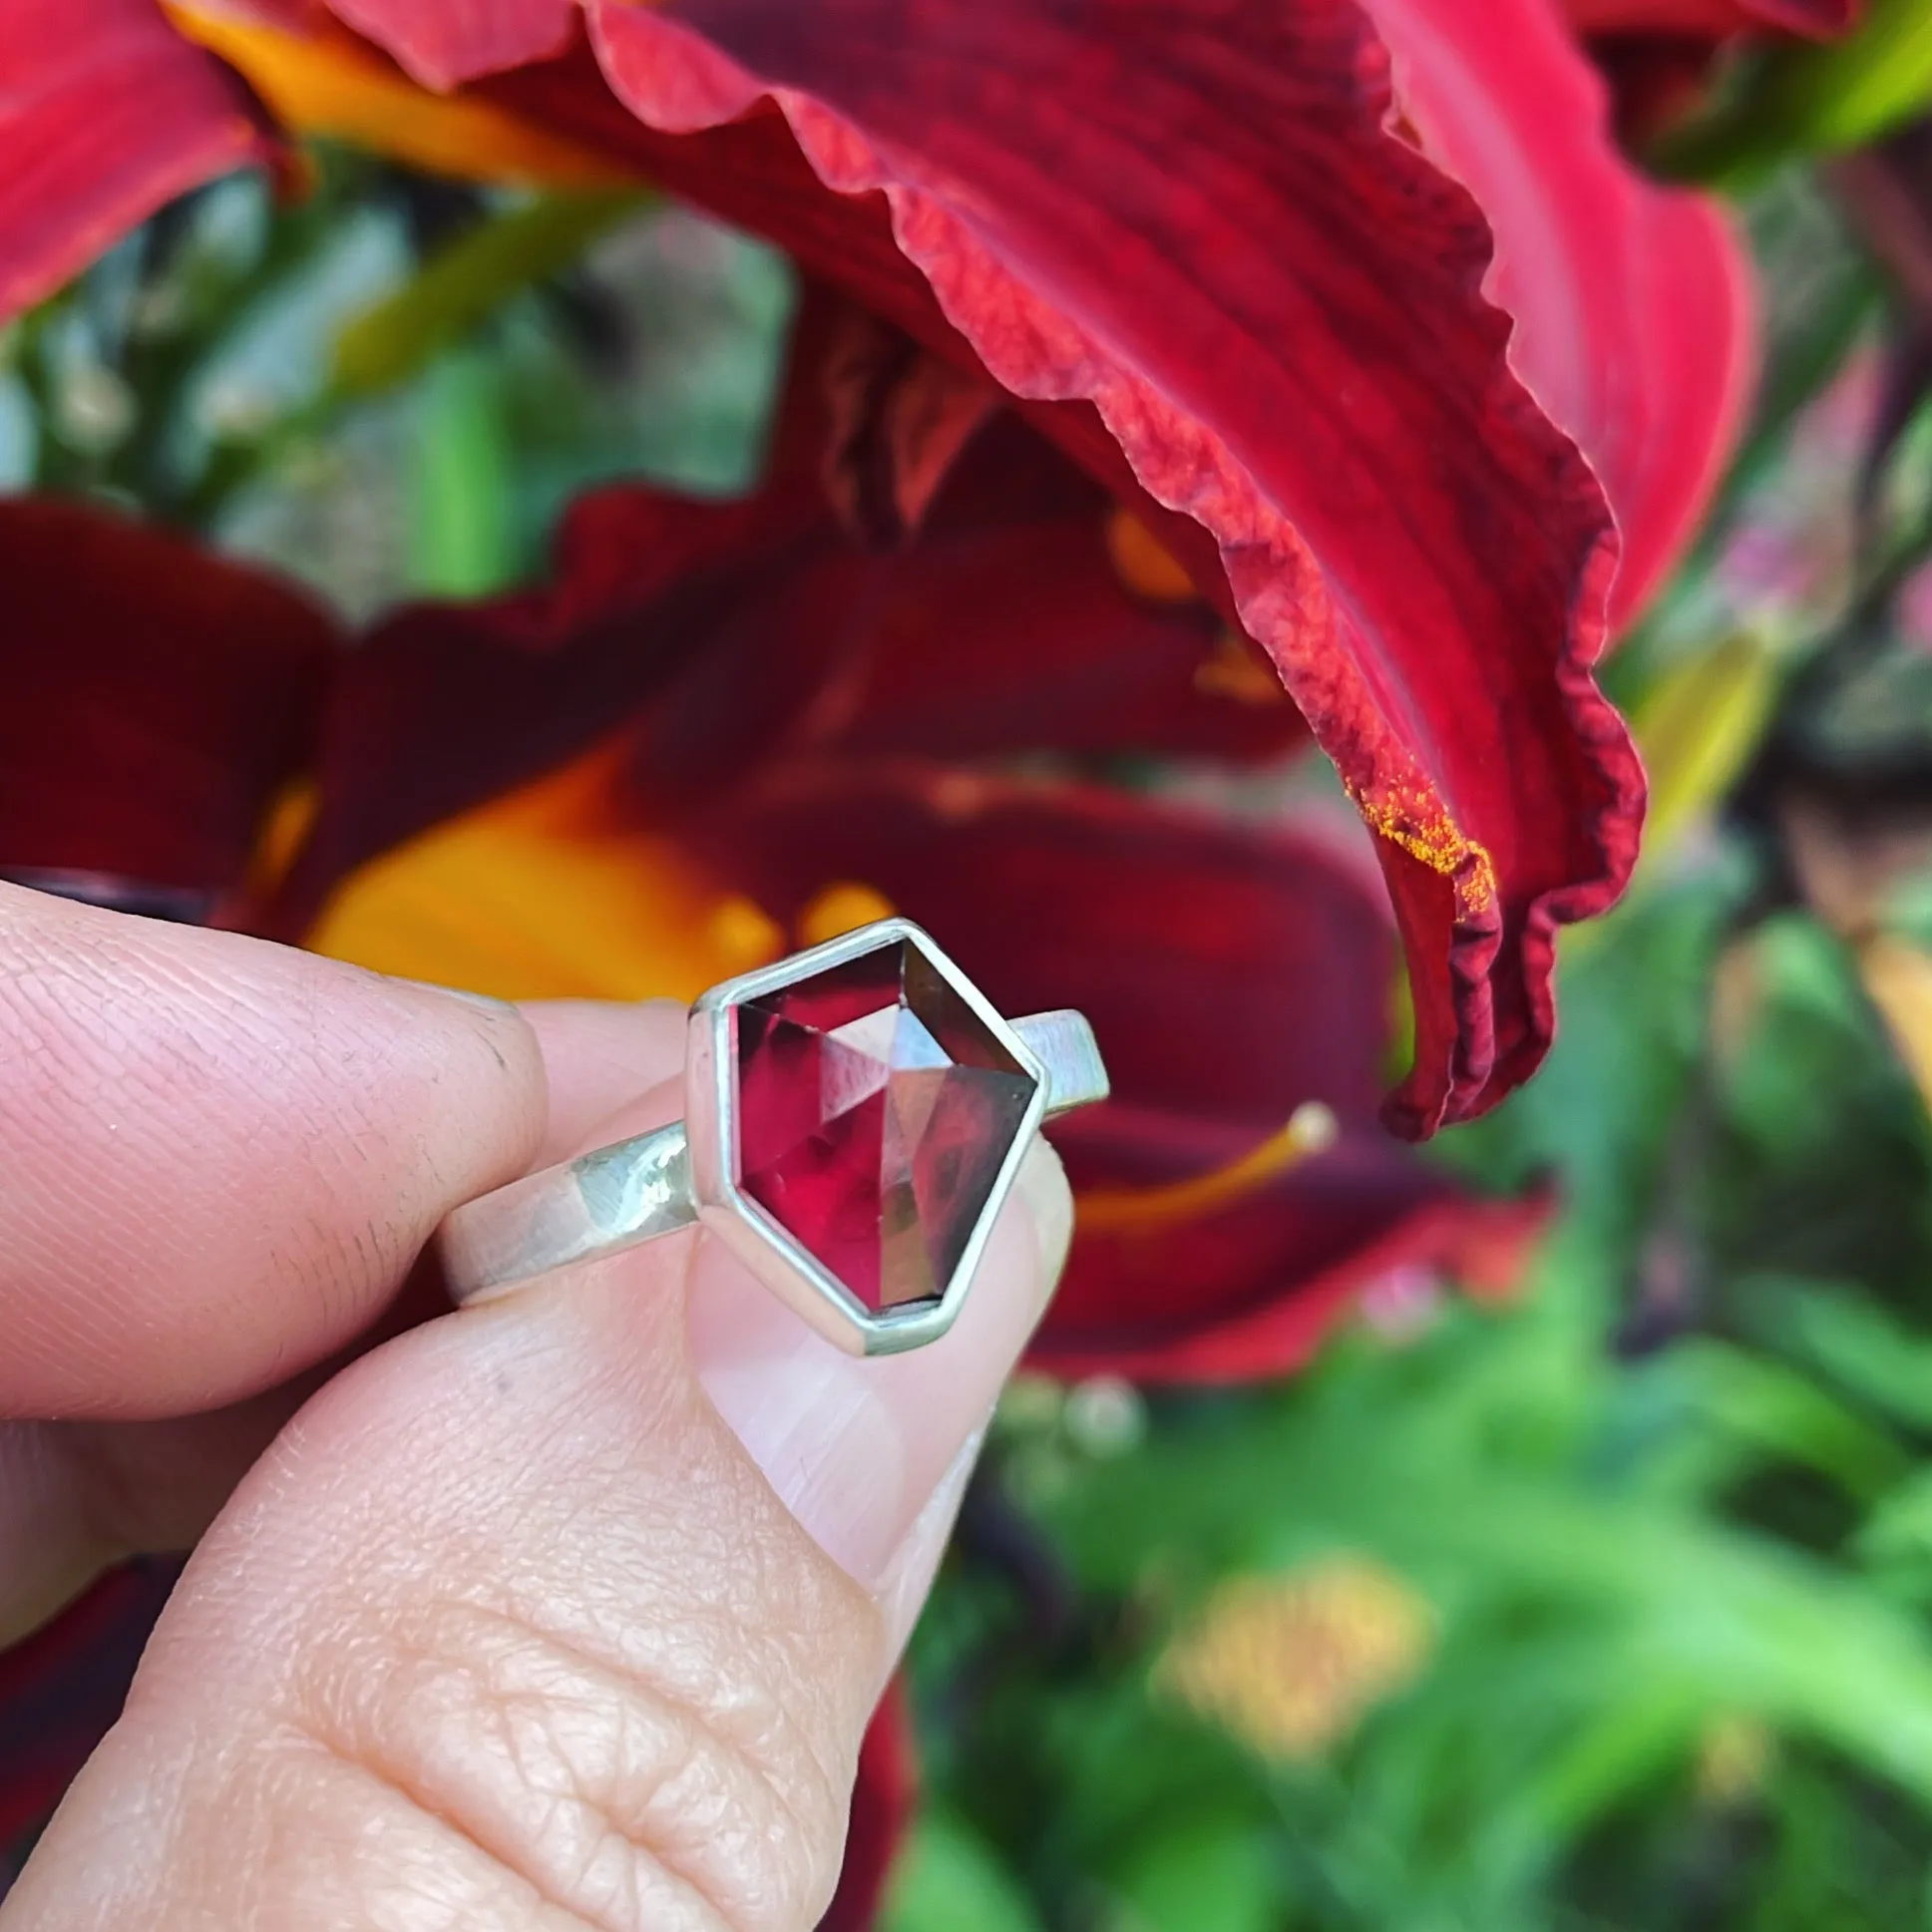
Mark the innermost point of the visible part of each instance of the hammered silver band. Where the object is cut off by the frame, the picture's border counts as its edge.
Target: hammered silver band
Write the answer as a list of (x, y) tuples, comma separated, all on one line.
[(656, 1183), (635, 1190)]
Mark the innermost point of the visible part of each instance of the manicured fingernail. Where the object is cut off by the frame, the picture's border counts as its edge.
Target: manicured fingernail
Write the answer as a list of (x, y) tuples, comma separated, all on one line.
[(871, 1455)]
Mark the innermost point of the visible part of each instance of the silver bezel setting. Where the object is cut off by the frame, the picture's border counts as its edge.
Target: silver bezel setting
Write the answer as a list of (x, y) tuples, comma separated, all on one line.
[(774, 1256)]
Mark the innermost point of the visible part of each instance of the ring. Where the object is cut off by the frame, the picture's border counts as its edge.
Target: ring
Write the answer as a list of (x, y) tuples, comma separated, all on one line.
[(855, 1115)]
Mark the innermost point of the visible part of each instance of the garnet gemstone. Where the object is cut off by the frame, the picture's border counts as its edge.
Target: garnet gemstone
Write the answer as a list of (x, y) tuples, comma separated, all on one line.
[(875, 1112)]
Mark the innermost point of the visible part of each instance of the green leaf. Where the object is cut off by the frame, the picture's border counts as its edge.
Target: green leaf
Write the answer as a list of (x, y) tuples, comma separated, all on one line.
[(468, 280), (1695, 725), (1813, 99), (1780, 1412), (462, 534), (948, 1880), (1210, 1872), (1872, 1356)]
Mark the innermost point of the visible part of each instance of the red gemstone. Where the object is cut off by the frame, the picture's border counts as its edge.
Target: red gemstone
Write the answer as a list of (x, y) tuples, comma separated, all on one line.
[(875, 1112)]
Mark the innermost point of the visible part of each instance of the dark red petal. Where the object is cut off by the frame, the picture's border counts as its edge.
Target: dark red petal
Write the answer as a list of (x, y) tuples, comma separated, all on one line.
[(733, 633), (1252, 1289), (444, 42), (1632, 300), (1230, 973), (901, 416), (882, 1807), (156, 699), (63, 1686), (446, 705), (1187, 238), (105, 114)]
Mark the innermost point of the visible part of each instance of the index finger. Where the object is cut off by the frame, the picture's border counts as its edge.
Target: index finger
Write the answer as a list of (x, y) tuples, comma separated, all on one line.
[(218, 1157)]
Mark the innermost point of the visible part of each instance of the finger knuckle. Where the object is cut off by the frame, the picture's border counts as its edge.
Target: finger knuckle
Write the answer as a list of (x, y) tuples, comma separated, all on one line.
[(632, 1784)]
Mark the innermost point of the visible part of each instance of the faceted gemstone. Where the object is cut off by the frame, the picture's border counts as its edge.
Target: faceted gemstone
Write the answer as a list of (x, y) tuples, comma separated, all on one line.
[(875, 1110)]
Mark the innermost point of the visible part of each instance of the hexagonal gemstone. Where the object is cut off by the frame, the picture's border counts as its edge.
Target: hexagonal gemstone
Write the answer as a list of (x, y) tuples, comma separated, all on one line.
[(875, 1112)]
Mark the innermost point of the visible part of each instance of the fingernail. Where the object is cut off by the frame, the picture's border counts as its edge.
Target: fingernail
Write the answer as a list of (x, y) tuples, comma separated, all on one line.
[(1050, 1205), (908, 1580), (871, 1455)]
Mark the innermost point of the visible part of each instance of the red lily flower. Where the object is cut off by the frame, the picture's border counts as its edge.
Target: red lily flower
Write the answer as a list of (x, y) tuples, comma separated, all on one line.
[(1234, 300), (792, 715), (1052, 891), (1191, 251)]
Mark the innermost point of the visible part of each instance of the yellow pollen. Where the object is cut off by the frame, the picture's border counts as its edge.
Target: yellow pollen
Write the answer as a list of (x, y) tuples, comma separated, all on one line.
[(841, 907), (1145, 564), (1312, 1129), (1425, 830)]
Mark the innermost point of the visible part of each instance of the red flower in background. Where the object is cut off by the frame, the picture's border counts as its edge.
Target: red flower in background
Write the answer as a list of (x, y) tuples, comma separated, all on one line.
[(207, 689), (1188, 249)]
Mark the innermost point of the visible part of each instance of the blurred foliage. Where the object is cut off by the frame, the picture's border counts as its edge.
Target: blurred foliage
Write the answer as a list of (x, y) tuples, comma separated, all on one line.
[(396, 384), (1607, 1607), (1811, 97)]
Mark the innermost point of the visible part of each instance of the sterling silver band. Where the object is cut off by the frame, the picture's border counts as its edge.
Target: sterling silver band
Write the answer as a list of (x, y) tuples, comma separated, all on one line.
[(639, 1189)]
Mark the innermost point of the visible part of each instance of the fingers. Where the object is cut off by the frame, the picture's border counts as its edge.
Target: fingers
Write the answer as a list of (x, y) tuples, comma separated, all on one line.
[(79, 1495), (217, 1157), (76, 1498), (599, 1058), (565, 1610)]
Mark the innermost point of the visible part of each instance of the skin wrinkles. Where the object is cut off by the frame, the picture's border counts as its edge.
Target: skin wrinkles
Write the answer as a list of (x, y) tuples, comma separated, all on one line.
[(619, 1797), (643, 1694), (509, 1627)]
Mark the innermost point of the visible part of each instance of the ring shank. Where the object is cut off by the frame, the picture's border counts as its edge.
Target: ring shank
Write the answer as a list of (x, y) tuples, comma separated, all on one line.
[(635, 1190), (598, 1204)]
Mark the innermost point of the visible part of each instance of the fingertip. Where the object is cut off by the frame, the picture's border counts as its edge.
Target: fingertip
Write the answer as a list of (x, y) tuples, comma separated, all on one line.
[(859, 1449), (218, 1157), (461, 1074), (1049, 1200)]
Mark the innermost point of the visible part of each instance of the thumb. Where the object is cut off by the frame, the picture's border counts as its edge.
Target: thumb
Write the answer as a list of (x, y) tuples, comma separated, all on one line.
[(569, 1610)]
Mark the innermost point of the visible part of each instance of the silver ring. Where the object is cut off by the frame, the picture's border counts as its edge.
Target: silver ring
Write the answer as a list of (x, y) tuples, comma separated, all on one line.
[(854, 1118)]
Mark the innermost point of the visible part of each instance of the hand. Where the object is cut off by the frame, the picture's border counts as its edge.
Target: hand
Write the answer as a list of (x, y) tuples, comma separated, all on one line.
[(567, 1610)]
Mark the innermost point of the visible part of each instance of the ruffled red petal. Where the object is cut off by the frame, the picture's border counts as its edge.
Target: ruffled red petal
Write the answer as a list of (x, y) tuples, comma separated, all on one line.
[(1634, 324), (1192, 245), (444, 42)]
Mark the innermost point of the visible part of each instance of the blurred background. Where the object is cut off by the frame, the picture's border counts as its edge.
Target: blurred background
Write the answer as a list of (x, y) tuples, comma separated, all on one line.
[(1602, 1598)]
